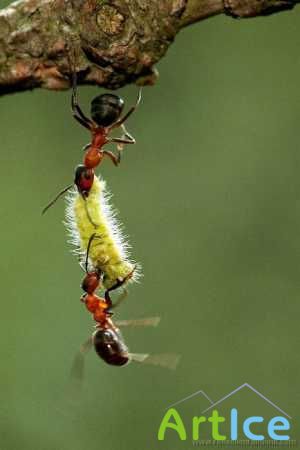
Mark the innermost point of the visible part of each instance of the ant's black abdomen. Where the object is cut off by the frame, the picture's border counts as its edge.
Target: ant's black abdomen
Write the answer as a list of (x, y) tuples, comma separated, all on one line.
[(109, 345), (106, 109)]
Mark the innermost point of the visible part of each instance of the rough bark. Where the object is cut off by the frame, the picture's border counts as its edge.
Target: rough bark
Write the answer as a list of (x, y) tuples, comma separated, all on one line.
[(115, 42)]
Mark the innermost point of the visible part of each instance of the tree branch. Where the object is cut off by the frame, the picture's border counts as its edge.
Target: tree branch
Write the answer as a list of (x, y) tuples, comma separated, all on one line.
[(115, 41)]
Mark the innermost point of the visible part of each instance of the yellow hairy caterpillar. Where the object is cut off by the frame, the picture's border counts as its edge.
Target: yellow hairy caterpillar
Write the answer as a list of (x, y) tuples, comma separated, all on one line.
[(93, 216)]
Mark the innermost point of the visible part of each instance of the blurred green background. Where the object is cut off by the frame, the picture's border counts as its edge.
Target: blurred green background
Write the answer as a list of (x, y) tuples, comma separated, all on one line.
[(210, 199)]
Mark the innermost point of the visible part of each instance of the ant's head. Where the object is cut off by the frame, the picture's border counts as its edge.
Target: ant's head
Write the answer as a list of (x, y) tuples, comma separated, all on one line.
[(106, 109), (84, 178), (109, 345), (91, 282)]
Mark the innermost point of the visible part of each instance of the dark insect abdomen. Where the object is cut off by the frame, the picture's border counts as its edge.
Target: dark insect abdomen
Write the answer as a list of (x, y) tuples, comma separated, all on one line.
[(109, 345), (106, 109)]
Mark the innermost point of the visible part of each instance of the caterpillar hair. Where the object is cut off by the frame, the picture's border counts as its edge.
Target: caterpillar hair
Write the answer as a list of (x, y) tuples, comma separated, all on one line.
[(94, 229)]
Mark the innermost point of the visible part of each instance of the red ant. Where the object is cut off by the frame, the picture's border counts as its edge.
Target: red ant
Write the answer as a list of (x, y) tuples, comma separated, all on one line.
[(106, 110), (107, 340)]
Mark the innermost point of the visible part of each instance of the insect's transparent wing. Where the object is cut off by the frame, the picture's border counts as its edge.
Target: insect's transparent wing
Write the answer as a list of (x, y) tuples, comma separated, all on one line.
[(120, 299), (77, 369), (145, 322), (165, 360)]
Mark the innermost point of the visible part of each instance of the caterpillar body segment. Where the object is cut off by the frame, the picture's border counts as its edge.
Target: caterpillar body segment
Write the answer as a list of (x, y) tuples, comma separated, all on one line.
[(93, 216)]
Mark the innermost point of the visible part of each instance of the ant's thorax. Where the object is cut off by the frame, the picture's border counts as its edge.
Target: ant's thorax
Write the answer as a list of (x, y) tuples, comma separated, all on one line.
[(99, 137)]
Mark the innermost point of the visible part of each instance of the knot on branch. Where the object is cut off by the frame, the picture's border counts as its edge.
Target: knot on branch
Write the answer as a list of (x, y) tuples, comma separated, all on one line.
[(110, 20), (253, 8)]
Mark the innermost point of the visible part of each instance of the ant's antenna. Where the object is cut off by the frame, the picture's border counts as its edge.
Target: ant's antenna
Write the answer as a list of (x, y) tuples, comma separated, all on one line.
[(66, 189), (88, 213), (88, 250)]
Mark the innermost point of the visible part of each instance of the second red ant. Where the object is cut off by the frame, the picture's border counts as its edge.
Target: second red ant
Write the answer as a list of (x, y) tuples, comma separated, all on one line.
[(107, 340)]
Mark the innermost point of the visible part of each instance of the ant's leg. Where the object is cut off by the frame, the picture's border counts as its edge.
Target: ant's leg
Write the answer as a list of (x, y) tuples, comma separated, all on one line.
[(125, 139), (108, 299), (76, 110), (120, 146), (126, 134), (123, 119), (122, 140), (119, 300), (82, 122), (86, 146), (113, 157), (118, 284)]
